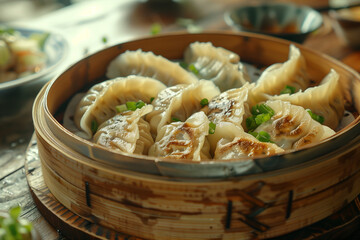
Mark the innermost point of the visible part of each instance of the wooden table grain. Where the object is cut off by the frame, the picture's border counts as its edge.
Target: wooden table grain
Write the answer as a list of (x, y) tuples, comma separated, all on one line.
[(85, 25)]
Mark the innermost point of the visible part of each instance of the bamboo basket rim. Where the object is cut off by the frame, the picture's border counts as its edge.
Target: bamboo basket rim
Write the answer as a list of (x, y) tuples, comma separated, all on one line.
[(349, 132)]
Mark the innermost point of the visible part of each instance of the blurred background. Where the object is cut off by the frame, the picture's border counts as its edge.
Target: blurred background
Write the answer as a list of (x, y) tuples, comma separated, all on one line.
[(14, 10)]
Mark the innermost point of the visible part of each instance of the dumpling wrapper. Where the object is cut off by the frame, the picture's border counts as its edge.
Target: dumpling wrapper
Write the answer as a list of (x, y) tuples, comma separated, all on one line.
[(326, 100), (216, 64), (99, 103), (148, 64), (183, 140), (127, 132), (291, 127), (179, 102), (277, 76), (236, 143)]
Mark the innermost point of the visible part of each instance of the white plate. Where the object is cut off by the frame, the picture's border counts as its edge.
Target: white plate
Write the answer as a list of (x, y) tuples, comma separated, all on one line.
[(56, 48)]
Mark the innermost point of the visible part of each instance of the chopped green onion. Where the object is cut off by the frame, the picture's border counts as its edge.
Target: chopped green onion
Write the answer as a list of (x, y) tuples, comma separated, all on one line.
[(262, 108), (184, 65), (152, 99), (139, 104), (212, 127), (264, 136), (261, 113), (261, 118), (251, 123), (94, 126), (193, 69), (288, 90), (316, 117), (104, 39), (204, 102), (174, 119), (255, 134), (155, 29), (131, 105), (121, 108)]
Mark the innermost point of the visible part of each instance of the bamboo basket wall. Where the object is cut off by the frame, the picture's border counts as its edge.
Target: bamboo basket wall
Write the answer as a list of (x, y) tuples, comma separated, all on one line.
[(152, 203)]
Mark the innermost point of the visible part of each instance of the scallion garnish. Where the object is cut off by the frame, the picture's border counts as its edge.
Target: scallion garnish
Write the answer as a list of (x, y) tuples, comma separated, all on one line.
[(139, 104), (261, 118), (212, 127), (262, 136), (261, 113), (316, 117), (184, 65), (121, 108), (193, 69), (155, 28), (288, 90), (152, 99), (174, 119), (262, 108), (250, 123), (104, 39), (204, 102), (94, 126), (131, 105)]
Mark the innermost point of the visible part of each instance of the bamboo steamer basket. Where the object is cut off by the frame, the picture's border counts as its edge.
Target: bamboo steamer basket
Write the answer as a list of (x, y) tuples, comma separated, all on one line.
[(153, 198)]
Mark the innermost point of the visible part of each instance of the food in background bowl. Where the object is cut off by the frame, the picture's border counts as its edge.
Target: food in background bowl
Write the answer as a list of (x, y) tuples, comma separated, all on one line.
[(21, 55), (284, 20), (207, 107)]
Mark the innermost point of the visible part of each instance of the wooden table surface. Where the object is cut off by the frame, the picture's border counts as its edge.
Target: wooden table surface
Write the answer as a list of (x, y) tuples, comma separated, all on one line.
[(84, 25)]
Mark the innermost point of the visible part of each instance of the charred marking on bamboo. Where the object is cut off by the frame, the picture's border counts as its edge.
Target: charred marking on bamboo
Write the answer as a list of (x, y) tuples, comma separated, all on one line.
[(108, 234), (228, 215), (289, 204), (66, 212), (100, 231), (253, 223), (87, 194), (71, 217)]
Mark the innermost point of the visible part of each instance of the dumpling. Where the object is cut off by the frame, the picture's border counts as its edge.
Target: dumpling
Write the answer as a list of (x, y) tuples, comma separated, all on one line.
[(216, 64), (236, 143), (149, 65), (179, 102), (291, 127), (127, 132), (277, 76), (98, 105), (326, 100), (206, 49), (183, 140), (230, 106)]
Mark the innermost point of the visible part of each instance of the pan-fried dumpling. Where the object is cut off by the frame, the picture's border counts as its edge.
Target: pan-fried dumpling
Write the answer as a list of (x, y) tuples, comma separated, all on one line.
[(149, 65), (230, 106), (127, 132), (183, 140), (326, 100), (206, 49), (216, 64), (291, 127), (276, 77), (179, 102), (236, 143), (99, 104)]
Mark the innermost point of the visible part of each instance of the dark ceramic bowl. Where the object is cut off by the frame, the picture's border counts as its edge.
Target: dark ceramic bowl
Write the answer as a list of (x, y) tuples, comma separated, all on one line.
[(288, 21)]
